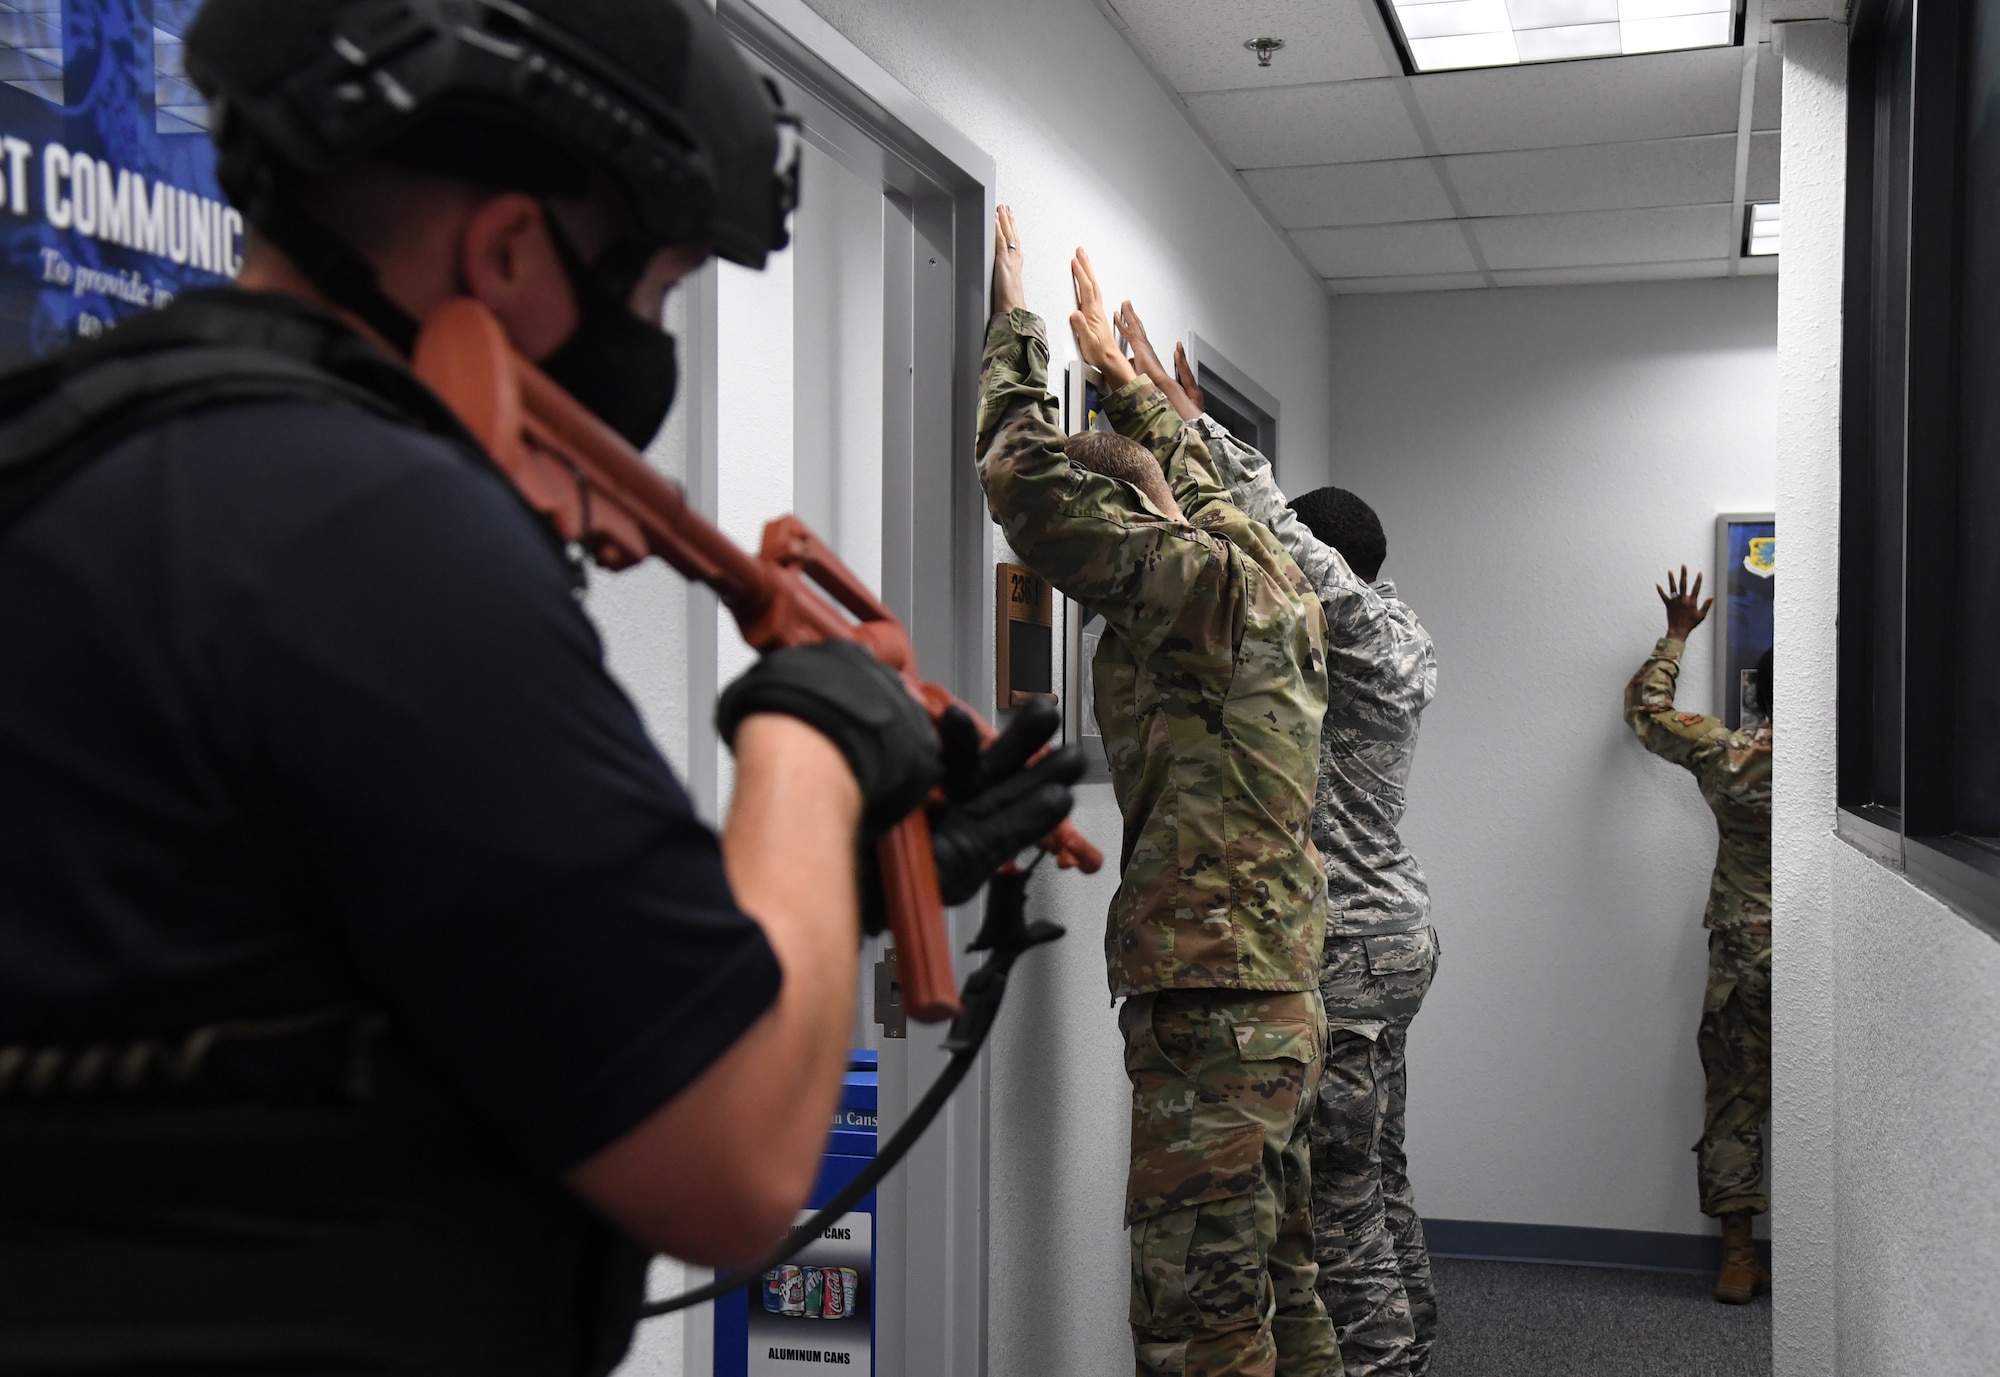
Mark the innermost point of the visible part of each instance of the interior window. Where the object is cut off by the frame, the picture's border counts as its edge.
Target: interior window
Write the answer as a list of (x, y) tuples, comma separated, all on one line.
[(1978, 697), (1920, 526), (1891, 271)]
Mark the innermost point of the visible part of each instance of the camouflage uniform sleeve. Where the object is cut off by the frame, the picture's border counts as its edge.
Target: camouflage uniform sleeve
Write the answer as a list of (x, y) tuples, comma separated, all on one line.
[(1685, 738), (1091, 536)]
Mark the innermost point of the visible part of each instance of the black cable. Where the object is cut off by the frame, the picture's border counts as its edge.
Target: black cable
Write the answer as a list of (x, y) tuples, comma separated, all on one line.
[(1006, 934), (871, 1176)]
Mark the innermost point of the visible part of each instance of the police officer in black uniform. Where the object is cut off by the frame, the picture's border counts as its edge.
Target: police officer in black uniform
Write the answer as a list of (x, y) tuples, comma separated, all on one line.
[(371, 998)]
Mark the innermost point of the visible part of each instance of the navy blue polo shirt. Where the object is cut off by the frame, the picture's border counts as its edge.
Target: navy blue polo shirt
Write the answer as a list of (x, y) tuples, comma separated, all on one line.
[(298, 709)]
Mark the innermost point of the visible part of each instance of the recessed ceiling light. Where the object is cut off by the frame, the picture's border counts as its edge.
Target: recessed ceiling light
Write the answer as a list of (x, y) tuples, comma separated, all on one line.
[(1760, 230), (1449, 35)]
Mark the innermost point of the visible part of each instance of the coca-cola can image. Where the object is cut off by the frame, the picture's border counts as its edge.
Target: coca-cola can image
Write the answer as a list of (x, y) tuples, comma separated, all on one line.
[(834, 1307), (792, 1283), (850, 1290), (774, 1290), (815, 1293)]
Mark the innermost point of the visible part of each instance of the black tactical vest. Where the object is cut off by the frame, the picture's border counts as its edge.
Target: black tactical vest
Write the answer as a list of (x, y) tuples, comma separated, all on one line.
[(301, 1197)]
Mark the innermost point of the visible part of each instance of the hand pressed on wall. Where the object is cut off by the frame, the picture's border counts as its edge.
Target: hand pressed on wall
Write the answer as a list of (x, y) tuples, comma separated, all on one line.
[(1096, 341), (1685, 610), (1150, 363), (1184, 374), (1008, 292)]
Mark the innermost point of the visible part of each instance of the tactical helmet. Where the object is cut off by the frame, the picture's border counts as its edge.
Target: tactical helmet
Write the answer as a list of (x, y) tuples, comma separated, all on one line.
[(534, 95)]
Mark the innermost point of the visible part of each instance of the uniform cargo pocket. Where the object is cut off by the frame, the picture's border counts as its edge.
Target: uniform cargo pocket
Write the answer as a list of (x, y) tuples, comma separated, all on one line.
[(1175, 1174), (1400, 952), (1278, 1040)]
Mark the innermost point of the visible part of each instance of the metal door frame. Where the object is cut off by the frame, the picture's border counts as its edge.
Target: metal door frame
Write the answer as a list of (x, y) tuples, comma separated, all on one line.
[(931, 1313)]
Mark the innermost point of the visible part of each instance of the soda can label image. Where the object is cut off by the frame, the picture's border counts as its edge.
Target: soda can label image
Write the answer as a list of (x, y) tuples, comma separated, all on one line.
[(832, 1308), (850, 1290), (774, 1290), (815, 1293), (793, 1282)]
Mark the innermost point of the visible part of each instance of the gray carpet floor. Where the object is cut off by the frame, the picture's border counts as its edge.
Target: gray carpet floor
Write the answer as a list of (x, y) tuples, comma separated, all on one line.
[(1511, 1319)]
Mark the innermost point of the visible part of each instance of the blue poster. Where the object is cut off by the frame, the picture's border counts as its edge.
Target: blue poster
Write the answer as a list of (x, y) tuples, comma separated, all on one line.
[(1749, 587), (107, 177)]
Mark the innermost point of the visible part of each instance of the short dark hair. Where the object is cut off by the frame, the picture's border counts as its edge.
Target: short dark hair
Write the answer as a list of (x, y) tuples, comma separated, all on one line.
[(1764, 683), (1340, 519), (1114, 456)]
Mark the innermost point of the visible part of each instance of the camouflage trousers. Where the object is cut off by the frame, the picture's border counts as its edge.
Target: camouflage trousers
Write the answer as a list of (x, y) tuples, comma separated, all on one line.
[(1735, 1042), (1219, 1200), (1374, 1271)]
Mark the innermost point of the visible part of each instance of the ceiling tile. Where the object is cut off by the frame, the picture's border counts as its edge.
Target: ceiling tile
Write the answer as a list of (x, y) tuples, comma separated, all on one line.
[(1423, 282), (1770, 98), (1425, 246), (1657, 96), (1622, 272), (1199, 47), (1611, 176), (1763, 183), (1293, 126), (1589, 238), (1351, 193)]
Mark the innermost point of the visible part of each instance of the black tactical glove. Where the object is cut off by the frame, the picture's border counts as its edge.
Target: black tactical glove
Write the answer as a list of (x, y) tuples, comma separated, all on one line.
[(994, 808), (861, 706), (997, 804)]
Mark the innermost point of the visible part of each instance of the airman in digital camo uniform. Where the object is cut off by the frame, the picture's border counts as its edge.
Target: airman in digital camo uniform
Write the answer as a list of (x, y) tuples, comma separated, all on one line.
[(1210, 686), (1381, 951), (1734, 771)]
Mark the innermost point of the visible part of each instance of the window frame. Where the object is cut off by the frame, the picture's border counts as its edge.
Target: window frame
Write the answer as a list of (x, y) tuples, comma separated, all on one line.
[(1919, 836), (1239, 392)]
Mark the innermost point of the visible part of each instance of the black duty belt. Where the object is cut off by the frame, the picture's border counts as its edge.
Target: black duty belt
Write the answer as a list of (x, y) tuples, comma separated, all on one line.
[(319, 1058)]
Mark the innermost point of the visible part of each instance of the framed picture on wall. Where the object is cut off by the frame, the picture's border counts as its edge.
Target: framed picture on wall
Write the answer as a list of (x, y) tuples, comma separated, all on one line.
[(1746, 567), (1083, 400)]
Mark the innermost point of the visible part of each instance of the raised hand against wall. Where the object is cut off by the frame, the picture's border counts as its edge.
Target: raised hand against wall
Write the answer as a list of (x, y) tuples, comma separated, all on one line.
[(1184, 375), (1149, 362), (1096, 341), (1008, 292), (1685, 610)]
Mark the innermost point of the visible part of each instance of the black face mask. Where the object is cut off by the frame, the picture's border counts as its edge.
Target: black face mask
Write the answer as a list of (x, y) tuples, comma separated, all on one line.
[(622, 369)]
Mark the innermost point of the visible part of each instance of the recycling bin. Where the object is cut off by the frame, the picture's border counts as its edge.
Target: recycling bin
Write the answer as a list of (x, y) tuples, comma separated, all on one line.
[(818, 1311)]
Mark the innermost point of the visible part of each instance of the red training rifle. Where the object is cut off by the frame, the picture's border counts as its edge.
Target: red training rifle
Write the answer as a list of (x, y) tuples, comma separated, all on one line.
[(598, 492)]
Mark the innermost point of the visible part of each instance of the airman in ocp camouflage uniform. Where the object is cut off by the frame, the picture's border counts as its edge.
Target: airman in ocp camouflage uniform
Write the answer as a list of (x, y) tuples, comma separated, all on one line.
[(1381, 951), (1210, 686), (1734, 771)]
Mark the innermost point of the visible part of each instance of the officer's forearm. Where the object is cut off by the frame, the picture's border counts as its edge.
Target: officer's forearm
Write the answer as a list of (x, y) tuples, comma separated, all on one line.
[(720, 1171)]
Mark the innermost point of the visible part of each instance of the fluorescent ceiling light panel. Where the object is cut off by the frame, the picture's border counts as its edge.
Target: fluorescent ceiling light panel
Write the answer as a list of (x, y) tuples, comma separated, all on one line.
[(1569, 41), (1464, 50), (1558, 14), (1456, 19), (1760, 230), (1677, 32), (1446, 35), (1637, 11)]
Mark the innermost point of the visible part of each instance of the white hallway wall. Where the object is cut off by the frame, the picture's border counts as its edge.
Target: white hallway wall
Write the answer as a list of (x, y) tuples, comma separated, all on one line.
[(1090, 151), (1886, 1004), (1538, 457)]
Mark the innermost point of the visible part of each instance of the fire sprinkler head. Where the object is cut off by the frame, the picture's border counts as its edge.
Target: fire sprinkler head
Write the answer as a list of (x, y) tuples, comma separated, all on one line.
[(1264, 47)]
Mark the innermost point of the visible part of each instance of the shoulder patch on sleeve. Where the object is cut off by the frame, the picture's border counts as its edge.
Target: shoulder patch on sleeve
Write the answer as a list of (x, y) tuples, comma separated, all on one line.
[(1689, 719)]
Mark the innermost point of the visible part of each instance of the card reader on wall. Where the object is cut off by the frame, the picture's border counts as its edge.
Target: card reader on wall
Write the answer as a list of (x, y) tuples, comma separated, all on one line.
[(1024, 637)]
